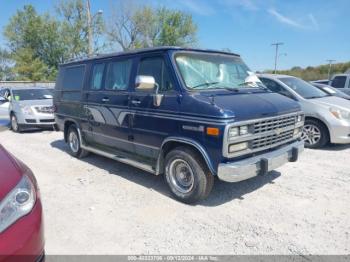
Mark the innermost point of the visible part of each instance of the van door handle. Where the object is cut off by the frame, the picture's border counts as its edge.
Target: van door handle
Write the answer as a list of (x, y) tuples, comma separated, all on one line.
[(135, 102), (105, 99)]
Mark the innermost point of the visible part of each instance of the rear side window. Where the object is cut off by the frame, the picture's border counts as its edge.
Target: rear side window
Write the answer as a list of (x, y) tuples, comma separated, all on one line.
[(118, 75), (339, 82), (73, 78), (97, 76)]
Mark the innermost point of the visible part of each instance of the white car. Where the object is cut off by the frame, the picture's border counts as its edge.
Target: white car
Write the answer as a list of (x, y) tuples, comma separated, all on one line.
[(327, 118), (28, 107)]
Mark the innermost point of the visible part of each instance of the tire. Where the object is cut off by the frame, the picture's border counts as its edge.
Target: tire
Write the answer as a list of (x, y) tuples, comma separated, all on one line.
[(195, 182), (74, 144), (315, 134), (15, 127)]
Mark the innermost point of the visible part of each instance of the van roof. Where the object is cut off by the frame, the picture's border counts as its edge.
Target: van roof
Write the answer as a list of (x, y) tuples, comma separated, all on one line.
[(145, 50)]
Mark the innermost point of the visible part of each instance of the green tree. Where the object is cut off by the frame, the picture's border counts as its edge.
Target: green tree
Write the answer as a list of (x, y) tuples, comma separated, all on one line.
[(176, 28), (5, 65), (28, 67), (27, 29), (74, 28), (135, 27), (315, 72)]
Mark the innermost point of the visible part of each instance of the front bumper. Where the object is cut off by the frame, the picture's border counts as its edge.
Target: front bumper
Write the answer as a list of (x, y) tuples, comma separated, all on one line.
[(261, 164), (36, 119), (340, 133)]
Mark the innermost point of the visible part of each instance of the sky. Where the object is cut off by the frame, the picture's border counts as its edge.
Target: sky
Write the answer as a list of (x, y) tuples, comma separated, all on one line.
[(312, 31)]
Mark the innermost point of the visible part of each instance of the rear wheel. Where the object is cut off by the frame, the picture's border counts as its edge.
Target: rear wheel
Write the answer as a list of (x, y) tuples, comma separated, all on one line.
[(187, 175), (315, 134), (14, 124), (74, 144)]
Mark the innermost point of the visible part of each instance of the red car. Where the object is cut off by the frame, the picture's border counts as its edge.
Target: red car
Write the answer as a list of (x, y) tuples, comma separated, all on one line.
[(21, 223)]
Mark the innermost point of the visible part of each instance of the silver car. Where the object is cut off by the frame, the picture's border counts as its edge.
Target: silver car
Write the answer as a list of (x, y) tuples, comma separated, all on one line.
[(327, 117), (29, 107)]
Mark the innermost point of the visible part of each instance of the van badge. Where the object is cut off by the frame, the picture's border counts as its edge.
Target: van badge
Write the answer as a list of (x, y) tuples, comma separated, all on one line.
[(193, 128), (278, 131)]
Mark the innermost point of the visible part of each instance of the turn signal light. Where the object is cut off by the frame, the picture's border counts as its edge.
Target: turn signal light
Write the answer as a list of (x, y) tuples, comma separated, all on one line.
[(213, 131)]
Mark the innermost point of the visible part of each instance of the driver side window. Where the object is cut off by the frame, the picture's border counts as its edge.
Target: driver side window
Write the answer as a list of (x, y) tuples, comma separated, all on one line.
[(276, 87), (156, 67)]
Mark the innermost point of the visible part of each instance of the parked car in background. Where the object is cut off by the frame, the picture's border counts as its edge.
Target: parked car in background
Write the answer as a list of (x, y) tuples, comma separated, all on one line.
[(327, 118), (29, 107), (187, 113), (331, 90), (342, 82), (21, 223), (322, 82)]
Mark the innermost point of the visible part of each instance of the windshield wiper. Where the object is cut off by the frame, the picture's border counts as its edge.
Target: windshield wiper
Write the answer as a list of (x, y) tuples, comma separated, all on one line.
[(206, 84)]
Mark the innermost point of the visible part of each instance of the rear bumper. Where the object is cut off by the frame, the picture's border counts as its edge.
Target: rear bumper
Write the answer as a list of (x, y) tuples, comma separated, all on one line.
[(259, 165), (24, 240)]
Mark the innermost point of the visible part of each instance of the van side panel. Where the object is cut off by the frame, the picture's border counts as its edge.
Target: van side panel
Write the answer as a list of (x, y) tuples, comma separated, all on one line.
[(68, 94)]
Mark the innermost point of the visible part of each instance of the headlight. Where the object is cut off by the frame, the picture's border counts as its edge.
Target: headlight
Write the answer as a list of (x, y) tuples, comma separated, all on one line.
[(234, 131), (299, 118), (27, 110), (243, 130), (18, 203), (238, 131), (340, 114), (238, 147)]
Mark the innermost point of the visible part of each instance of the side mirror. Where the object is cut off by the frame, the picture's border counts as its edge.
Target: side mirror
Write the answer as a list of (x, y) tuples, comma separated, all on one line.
[(149, 83), (3, 99), (145, 82)]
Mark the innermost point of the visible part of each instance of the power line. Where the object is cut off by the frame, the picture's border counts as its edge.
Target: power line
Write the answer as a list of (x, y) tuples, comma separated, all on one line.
[(276, 54)]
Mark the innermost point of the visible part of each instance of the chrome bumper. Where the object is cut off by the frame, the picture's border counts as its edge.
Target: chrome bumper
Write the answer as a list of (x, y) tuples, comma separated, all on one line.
[(259, 165)]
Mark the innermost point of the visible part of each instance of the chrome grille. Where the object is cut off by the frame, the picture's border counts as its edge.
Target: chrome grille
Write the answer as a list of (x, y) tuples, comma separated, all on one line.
[(44, 109), (273, 124), (271, 140)]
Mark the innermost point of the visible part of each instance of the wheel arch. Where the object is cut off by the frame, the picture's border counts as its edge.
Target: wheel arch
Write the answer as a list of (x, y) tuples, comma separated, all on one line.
[(321, 122), (173, 142), (67, 124)]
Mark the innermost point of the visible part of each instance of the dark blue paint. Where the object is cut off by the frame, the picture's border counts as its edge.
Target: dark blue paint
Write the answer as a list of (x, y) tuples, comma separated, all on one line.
[(143, 132)]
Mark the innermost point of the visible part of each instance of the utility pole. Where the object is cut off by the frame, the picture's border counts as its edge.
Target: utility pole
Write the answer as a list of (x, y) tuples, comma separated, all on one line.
[(330, 61), (88, 13), (276, 54)]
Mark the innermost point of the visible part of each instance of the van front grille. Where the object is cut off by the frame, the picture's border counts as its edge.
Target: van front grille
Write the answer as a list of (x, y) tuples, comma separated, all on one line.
[(271, 140), (273, 124)]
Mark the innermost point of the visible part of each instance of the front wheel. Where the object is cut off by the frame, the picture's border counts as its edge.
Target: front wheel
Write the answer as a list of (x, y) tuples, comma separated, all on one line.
[(187, 175), (14, 124), (315, 134)]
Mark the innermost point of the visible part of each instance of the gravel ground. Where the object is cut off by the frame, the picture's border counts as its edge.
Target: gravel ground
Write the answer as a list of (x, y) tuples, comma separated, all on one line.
[(99, 206)]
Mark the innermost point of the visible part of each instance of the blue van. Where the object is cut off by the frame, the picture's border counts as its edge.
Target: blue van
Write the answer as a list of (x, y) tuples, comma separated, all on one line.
[(188, 114)]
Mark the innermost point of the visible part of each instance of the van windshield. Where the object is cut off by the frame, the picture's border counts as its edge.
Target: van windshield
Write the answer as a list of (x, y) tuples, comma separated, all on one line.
[(303, 88), (31, 94), (208, 71)]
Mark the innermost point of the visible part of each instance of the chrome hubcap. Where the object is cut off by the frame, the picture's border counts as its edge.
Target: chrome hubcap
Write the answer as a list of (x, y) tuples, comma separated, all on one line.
[(311, 134), (14, 123), (73, 142), (181, 176)]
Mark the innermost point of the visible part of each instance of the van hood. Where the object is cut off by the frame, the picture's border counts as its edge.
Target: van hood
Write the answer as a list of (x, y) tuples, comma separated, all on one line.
[(332, 101), (10, 173), (41, 102), (240, 106)]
